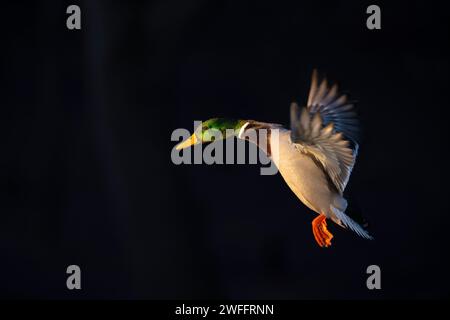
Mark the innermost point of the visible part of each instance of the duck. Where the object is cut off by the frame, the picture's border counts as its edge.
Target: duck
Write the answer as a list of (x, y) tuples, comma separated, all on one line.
[(315, 156)]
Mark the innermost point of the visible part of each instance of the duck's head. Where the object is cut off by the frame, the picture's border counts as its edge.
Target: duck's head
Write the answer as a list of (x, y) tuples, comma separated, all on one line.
[(212, 130)]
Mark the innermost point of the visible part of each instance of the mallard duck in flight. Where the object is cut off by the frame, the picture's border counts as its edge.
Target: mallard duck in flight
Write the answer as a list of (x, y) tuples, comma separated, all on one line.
[(315, 157)]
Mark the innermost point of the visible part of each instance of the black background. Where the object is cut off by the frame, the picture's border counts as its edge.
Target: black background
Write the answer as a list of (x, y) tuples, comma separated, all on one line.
[(86, 173)]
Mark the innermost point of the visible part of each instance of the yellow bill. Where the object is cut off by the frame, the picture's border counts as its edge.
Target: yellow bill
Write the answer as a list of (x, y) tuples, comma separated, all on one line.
[(192, 140)]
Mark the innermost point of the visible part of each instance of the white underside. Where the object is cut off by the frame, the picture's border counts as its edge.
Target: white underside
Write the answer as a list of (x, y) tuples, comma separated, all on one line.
[(305, 178)]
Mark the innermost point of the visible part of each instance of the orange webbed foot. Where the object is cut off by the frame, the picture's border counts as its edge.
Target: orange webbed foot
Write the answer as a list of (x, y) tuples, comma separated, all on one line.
[(320, 231)]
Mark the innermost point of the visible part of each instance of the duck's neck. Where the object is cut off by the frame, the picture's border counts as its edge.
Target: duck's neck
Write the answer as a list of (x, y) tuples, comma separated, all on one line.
[(258, 133), (243, 129), (247, 126)]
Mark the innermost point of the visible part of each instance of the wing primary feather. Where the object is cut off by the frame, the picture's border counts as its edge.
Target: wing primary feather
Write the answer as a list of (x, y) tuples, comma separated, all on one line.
[(313, 89)]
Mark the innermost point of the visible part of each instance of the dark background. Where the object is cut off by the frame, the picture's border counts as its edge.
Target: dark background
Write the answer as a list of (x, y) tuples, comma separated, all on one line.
[(87, 178)]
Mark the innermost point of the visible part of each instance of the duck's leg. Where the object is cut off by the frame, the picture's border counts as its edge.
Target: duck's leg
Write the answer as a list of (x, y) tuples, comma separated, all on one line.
[(320, 231)]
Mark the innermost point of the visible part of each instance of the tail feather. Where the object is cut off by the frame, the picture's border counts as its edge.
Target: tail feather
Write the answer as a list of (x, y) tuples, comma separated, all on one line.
[(347, 222), (354, 211)]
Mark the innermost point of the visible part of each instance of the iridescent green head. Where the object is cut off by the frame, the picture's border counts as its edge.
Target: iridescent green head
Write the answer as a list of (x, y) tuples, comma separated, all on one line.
[(213, 129)]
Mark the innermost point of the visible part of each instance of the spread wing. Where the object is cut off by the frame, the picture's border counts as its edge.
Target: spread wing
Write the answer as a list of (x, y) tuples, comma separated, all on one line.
[(333, 107), (327, 130)]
